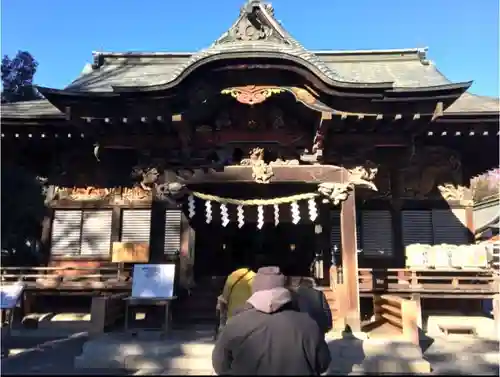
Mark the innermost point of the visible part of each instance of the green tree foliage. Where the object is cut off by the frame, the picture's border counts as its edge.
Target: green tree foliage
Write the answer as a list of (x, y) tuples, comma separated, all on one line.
[(17, 78)]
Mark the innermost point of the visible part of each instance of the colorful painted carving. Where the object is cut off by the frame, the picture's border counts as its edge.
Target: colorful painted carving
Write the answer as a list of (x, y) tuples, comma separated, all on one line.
[(252, 94)]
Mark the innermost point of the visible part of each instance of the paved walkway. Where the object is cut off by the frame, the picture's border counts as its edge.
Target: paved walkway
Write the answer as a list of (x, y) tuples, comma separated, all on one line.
[(189, 353)]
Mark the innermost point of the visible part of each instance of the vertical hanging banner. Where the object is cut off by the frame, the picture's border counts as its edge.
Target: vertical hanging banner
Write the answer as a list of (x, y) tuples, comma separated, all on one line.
[(294, 206), (260, 217), (208, 211), (276, 214), (224, 215), (313, 210), (240, 216), (191, 206)]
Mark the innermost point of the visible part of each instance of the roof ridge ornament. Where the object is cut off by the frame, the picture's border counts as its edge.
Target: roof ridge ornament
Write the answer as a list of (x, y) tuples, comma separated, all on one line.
[(253, 25)]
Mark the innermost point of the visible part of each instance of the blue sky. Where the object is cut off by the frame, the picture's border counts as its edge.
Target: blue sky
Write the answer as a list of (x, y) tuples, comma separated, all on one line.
[(462, 35)]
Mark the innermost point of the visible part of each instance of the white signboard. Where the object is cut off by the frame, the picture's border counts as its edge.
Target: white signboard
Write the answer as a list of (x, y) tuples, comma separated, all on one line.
[(10, 295), (154, 281)]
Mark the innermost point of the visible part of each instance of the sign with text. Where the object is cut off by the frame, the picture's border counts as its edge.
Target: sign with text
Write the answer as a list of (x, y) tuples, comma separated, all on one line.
[(10, 294), (153, 281), (130, 252)]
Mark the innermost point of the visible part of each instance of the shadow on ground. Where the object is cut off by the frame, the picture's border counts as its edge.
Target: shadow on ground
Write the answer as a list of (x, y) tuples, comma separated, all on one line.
[(179, 353), (437, 356), (44, 355)]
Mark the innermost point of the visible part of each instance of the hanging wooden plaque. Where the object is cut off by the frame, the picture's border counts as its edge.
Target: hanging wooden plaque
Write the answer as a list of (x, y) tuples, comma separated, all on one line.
[(130, 252)]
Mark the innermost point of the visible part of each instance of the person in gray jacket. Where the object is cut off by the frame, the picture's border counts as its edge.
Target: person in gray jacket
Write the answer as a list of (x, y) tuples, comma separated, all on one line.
[(269, 336)]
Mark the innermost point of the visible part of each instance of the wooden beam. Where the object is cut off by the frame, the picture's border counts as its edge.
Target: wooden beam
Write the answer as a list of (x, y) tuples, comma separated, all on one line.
[(350, 262), (299, 174)]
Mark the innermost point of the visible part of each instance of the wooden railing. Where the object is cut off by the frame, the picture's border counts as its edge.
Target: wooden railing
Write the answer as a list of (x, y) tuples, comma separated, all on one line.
[(106, 311), (400, 280), (67, 278), (400, 313)]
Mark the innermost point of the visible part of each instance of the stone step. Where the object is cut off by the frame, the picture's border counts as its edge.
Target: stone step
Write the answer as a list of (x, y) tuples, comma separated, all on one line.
[(165, 363), (380, 347), (391, 365), (102, 355)]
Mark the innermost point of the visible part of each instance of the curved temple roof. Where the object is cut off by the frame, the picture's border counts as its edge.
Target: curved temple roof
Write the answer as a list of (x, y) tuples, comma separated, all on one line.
[(257, 33)]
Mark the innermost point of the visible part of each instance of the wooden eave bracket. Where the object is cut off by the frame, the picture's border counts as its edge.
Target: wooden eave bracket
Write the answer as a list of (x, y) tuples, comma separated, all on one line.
[(438, 111)]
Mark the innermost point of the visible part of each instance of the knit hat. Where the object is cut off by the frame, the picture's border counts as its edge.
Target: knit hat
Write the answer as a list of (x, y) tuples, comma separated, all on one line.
[(268, 278)]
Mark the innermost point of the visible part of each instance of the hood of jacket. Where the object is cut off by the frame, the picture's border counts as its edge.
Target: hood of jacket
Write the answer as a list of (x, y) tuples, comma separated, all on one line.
[(271, 300)]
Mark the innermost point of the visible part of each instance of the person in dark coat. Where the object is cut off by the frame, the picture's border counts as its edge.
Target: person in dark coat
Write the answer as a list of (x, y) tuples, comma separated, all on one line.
[(313, 302), (268, 336)]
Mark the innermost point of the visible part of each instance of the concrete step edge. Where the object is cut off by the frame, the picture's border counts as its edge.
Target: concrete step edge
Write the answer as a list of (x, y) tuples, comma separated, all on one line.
[(157, 347), (177, 363), (395, 365), (173, 372)]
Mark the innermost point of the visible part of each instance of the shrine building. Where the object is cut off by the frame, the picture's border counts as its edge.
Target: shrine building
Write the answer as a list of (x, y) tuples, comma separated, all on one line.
[(254, 145)]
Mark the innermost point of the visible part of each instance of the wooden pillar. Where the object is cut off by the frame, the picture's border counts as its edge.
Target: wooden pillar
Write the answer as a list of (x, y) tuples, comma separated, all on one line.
[(469, 222), (46, 233), (350, 262), (397, 221), (496, 314), (325, 243), (418, 301), (186, 254), (116, 223)]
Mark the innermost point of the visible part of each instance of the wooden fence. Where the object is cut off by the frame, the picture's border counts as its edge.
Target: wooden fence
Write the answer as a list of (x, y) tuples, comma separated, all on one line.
[(400, 280)]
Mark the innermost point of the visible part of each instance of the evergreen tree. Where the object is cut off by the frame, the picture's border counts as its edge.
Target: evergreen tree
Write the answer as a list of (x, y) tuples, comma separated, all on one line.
[(17, 78)]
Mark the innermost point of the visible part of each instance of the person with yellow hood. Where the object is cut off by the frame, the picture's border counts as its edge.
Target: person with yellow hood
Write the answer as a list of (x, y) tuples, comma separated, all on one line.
[(237, 290)]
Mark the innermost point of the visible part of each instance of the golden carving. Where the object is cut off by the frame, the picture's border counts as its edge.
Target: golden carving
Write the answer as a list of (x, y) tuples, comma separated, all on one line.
[(252, 94), (451, 192), (303, 95), (261, 172), (83, 193), (136, 194)]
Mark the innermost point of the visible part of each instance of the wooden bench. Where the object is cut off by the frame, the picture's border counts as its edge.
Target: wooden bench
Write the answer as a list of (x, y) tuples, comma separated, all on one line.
[(398, 312)]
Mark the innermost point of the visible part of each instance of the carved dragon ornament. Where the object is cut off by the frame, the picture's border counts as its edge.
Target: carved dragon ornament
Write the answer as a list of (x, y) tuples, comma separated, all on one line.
[(336, 192)]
